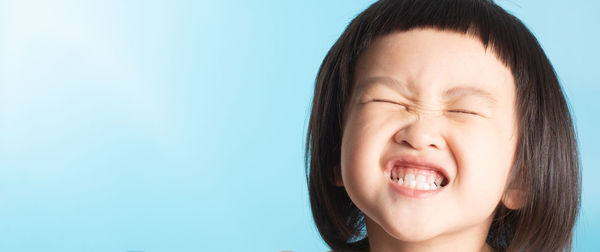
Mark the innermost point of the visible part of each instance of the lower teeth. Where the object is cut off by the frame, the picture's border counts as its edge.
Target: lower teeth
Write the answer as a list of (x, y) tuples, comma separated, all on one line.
[(418, 185)]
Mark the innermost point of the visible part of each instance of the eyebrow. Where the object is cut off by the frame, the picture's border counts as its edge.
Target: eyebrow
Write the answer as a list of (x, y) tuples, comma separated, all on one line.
[(450, 94), (462, 91), (390, 82)]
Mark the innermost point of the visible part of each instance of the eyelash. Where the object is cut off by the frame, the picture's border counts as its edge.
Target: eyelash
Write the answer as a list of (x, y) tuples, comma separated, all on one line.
[(461, 111), (386, 101)]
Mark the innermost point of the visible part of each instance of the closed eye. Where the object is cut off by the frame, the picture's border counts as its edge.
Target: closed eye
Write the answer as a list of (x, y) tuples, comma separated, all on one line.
[(387, 101), (391, 102), (462, 111)]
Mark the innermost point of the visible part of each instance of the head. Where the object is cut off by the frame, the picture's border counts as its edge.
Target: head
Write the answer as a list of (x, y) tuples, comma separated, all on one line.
[(458, 83)]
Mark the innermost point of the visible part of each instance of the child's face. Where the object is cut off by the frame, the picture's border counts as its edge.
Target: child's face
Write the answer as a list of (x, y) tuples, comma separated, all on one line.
[(441, 98)]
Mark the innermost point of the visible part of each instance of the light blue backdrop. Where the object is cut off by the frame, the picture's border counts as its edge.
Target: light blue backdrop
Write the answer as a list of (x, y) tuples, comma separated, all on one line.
[(179, 125)]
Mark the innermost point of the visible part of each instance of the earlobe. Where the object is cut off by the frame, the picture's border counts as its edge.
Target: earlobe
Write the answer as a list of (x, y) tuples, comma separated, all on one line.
[(338, 177), (339, 182), (513, 198)]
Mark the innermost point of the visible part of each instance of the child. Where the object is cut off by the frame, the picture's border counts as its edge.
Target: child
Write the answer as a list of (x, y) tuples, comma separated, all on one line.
[(440, 125)]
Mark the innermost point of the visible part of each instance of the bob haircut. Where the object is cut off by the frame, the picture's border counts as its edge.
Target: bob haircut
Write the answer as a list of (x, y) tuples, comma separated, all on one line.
[(546, 164)]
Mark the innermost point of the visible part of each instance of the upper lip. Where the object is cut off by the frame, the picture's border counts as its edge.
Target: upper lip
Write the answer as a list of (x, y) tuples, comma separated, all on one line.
[(416, 161)]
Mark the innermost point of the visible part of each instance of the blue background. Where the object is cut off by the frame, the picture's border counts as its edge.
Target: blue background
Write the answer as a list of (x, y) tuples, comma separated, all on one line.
[(179, 125)]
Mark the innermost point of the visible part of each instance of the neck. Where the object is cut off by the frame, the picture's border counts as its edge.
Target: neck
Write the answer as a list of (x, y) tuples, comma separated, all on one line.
[(466, 240)]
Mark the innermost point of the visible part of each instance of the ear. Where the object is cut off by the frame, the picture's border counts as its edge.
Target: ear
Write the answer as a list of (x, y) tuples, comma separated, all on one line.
[(513, 198), (338, 176)]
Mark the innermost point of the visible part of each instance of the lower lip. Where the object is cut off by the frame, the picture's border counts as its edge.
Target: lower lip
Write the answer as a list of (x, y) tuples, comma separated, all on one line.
[(413, 193)]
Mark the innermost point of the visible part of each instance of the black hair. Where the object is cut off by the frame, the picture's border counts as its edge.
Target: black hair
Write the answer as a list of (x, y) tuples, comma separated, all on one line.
[(546, 161)]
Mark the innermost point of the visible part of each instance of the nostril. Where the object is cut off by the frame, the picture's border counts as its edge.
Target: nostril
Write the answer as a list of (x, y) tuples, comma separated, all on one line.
[(420, 135)]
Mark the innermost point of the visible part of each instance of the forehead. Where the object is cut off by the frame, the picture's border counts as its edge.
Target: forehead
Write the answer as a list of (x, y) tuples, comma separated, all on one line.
[(423, 61)]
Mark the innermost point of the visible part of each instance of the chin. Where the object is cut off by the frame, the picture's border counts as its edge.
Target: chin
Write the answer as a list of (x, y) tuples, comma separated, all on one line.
[(413, 236), (409, 233)]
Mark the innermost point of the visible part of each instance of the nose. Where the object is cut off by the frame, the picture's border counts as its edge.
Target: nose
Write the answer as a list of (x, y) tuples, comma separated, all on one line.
[(421, 134)]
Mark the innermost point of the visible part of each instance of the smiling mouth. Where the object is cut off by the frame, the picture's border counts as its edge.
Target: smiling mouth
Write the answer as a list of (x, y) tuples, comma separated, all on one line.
[(417, 178)]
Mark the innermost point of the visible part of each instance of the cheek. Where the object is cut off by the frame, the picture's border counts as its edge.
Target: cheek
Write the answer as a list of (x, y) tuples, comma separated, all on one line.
[(483, 142), (364, 139), (358, 148), (484, 154), (363, 135)]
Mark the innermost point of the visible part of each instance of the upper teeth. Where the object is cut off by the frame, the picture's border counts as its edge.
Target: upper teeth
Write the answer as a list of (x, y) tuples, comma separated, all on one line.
[(420, 181)]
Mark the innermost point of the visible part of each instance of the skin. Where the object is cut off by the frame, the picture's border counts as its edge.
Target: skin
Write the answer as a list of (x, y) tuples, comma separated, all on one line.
[(401, 106)]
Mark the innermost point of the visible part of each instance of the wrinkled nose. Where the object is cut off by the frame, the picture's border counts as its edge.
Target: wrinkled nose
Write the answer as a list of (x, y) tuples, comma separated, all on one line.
[(421, 134)]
